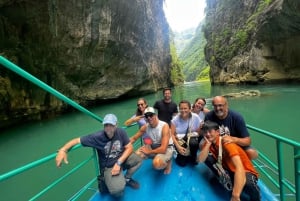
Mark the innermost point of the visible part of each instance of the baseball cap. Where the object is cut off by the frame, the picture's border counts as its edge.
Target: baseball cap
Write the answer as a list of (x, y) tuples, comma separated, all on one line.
[(149, 110), (110, 119)]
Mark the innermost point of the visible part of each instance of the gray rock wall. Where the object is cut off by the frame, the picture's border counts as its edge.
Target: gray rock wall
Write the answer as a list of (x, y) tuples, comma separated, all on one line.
[(253, 41), (89, 50)]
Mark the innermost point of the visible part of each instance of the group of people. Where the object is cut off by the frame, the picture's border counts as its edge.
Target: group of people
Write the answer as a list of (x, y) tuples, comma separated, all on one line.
[(194, 133)]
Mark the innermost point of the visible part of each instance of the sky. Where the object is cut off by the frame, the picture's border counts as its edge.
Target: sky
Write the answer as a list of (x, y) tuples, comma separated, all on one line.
[(184, 14)]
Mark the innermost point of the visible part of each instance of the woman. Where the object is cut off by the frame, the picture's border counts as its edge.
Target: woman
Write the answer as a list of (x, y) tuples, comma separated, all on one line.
[(182, 124), (199, 108), (138, 117)]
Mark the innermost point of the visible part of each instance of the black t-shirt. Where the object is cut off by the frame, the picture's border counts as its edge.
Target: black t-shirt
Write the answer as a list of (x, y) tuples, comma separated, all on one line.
[(165, 110)]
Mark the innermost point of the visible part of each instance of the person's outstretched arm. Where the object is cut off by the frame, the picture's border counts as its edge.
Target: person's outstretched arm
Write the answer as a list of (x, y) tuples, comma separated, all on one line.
[(62, 152), (140, 132)]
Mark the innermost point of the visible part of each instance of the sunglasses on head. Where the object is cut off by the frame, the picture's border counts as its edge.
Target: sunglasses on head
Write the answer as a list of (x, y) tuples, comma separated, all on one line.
[(148, 115)]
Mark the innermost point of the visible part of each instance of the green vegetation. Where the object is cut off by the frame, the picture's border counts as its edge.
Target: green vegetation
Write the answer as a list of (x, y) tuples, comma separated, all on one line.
[(227, 42), (183, 38), (176, 65), (193, 57), (204, 74)]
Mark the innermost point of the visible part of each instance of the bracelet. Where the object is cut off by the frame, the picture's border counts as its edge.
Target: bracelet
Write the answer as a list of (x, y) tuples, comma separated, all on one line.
[(62, 150)]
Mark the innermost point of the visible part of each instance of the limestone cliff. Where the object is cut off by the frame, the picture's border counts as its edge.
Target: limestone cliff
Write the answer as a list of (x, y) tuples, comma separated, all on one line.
[(88, 50), (253, 41)]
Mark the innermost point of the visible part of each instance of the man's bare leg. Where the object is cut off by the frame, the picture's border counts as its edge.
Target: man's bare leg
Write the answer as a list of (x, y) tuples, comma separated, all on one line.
[(168, 167)]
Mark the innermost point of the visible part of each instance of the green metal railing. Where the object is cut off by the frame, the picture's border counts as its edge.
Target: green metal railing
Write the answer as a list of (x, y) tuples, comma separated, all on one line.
[(280, 182), (11, 66), (278, 167)]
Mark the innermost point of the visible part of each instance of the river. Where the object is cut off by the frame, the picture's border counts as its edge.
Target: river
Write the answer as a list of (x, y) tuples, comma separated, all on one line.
[(276, 110)]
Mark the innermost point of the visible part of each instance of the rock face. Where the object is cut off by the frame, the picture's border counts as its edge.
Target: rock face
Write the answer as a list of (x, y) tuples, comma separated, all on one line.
[(88, 50), (253, 41)]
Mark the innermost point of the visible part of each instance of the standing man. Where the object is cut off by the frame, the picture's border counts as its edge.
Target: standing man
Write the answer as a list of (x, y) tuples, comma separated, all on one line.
[(234, 159), (115, 153), (232, 124), (158, 142), (166, 108)]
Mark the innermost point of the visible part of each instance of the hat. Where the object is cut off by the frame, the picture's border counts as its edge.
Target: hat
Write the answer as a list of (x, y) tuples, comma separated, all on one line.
[(110, 119), (149, 110), (209, 125)]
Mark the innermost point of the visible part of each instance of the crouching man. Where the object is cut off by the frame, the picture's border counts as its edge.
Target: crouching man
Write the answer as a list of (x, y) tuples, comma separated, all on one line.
[(234, 161), (115, 153), (158, 142)]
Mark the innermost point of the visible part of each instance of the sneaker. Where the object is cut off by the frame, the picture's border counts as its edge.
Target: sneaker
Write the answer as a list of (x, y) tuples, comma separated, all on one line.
[(132, 183)]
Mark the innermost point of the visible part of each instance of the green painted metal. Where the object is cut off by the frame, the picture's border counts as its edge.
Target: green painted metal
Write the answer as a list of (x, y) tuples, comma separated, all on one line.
[(52, 185), (297, 171), (275, 136), (280, 170), (30, 165), (83, 190), (281, 182)]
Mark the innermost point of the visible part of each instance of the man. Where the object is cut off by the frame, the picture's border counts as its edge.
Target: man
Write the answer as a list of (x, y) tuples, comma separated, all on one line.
[(115, 152), (166, 108), (234, 159), (232, 124), (158, 143)]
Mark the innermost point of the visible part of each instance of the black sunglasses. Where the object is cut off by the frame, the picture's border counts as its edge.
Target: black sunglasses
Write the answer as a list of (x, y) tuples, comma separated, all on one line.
[(149, 115)]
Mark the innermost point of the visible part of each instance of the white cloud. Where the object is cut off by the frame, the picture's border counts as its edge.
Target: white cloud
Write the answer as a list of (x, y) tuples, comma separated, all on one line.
[(184, 14)]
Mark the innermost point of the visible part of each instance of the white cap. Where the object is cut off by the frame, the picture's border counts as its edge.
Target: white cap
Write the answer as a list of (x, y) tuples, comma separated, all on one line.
[(149, 110), (110, 119)]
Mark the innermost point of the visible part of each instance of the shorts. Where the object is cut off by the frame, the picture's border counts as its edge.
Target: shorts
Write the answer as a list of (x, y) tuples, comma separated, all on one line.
[(166, 157), (116, 184)]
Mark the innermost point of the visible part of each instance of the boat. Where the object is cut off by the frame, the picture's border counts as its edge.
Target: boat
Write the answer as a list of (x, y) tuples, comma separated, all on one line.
[(184, 183)]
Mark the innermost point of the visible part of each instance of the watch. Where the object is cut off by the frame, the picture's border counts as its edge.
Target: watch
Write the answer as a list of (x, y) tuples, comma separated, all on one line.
[(119, 163)]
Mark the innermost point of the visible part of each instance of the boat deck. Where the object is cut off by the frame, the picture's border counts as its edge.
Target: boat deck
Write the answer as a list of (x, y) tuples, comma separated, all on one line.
[(189, 183)]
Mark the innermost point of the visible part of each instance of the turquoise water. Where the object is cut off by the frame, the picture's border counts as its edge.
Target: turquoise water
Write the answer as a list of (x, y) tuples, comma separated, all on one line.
[(276, 110)]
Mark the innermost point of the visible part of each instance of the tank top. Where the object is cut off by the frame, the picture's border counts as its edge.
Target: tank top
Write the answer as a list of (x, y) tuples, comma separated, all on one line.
[(156, 133)]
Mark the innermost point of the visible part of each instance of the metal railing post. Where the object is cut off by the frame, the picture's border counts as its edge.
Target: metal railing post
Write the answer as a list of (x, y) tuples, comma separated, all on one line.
[(297, 171), (280, 170)]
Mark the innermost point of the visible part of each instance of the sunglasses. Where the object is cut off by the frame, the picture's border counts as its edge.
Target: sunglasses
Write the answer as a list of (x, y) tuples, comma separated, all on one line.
[(148, 115), (140, 105)]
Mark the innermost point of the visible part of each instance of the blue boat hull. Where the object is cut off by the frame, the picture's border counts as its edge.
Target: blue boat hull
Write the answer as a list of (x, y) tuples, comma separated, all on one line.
[(191, 183)]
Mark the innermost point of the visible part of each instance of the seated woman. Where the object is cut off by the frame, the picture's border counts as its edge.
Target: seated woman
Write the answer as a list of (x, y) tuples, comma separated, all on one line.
[(182, 125)]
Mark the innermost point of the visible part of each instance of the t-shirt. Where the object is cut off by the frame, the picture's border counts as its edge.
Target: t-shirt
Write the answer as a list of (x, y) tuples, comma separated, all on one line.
[(201, 116), (234, 122), (165, 110), (102, 144), (181, 125), (230, 150)]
